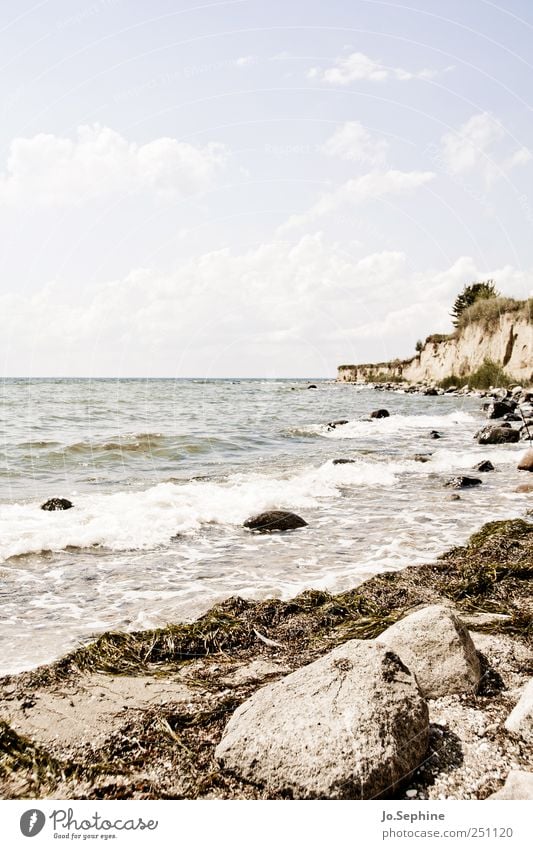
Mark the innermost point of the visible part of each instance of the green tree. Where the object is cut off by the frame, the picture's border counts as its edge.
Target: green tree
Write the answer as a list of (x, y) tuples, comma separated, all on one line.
[(471, 294)]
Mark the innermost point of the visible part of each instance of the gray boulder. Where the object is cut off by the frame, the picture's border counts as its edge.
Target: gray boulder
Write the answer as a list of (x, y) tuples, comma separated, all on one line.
[(525, 464), (520, 720), (497, 435), (275, 520), (518, 785), (351, 725), (436, 646), (379, 414)]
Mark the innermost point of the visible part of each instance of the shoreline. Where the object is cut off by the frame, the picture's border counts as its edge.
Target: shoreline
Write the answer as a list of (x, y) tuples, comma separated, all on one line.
[(138, 715)]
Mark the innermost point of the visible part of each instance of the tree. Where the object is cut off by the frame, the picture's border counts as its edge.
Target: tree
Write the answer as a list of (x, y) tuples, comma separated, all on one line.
[(471, 294)]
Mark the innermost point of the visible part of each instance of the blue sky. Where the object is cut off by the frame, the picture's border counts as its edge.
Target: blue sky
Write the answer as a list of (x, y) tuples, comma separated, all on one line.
[(251, 188)]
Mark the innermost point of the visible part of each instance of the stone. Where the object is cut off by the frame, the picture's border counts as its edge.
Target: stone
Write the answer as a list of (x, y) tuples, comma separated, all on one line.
[(518, 785), (57, 504), (422, 458), (379, 414), (312, 386), (342, 461), (335, 424), (275, 520), (496, 435), (431, 390), (435, 435), (498, 409), (520, 720), (525, 464), (485, 466), (462, 482), (436, 646), (351, 725)]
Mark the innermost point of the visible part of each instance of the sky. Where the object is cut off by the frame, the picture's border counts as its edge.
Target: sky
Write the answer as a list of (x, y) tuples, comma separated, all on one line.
[(243, 188)]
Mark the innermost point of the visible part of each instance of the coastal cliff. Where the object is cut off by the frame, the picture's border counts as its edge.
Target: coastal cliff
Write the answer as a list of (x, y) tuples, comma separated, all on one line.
[(504, 337)]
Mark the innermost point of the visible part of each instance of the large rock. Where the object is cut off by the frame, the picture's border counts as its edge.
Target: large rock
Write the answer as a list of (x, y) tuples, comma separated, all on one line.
[(518, 785), (462, 482), (57, 504), (498, 409), (520, 720), (275, 520), (351, 725), (485, 466), (496, 435), (525, 464), (436, 646), (379, 414)]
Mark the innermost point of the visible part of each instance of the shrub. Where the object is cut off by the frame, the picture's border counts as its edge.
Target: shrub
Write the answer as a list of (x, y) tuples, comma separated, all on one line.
[(487, 375), (489, 311)]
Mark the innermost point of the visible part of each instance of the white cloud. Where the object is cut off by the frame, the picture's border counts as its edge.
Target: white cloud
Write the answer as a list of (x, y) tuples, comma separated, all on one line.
[(284, 307), (352, 141), (477, 146), (98, 161), (370, 186), (359, 66)]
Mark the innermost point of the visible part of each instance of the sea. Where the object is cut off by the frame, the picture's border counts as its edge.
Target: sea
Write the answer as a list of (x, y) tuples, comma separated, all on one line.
[(163, 474)]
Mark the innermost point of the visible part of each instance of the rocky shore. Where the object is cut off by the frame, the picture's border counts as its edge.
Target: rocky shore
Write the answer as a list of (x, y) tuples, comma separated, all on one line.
[(416, 684)]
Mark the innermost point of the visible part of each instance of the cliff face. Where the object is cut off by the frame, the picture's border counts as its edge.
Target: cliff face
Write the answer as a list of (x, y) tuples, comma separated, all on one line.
[(509, 344)]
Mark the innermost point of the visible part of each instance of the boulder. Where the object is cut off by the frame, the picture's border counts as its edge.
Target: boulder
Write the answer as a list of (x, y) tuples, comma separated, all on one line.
[(431, 390), (498, 409), (351, 725), (435, 435), (520, 720), (312, 386), (57, 504), (436, 646), (462, 482), (275, 520), (485, 466), (525, 464), (379, 414), (342, 461), (518, 785), (335, 424), (496, 435)]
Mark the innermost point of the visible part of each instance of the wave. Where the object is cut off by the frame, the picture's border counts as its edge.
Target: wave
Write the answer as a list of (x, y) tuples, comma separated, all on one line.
[(393, 425), (125, 521)]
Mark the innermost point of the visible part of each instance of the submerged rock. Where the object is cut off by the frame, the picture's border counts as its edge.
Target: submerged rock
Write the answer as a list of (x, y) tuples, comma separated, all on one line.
[(336, 423), (275, 520), (485, 466), (351, 725), (518, 785), (436, 646), (520, 720), (380, 414), (422, 458), (342, 461), (435, 434), (462, 482), (57, 504), (312, 386), (525, 464), (497, 434)]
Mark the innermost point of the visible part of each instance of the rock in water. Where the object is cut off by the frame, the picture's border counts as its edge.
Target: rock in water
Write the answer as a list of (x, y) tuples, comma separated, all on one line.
[(57, 504), (495, 435), (437, 648), (525, 464), (498, 409), (520, 720), (336, 423), (485, 466), (275, 520), (312, 386), (342, 461), (351, 725), (462, 482), (379, 414), (435, 434), (518, 785)]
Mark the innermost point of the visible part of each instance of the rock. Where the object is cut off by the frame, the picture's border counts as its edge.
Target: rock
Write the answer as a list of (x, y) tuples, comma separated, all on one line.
[(520, 720), (342, 461), (525, 464), (462, 482), (431, 391), (422, 458), (57, 504), (351, 725), (333, 425), (435, 644), (312, 386), (454, 497), (495, 435), (524, 487), (518, 785), (485, 466), (435, 435), (379, 414), (275, 520), (498, 409)]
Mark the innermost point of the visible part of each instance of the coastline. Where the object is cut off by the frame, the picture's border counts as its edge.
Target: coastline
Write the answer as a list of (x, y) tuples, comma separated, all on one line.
[(138, 715)]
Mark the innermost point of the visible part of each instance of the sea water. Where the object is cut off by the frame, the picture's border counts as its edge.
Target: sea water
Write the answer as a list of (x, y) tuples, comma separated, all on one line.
[(163, 473)]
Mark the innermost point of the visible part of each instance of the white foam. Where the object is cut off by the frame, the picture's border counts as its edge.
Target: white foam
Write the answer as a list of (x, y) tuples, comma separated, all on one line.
[(393, 425), (142, 520)]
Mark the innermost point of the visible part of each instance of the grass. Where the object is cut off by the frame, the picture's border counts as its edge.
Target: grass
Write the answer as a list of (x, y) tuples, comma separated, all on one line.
[(488, 375), (488, 311)]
